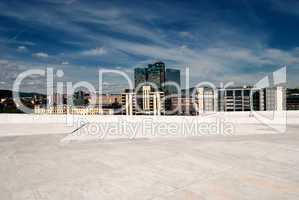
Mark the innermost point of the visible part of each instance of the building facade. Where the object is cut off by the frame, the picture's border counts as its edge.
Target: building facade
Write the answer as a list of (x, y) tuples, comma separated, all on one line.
[(275, 98), (206, 100), (140, 76), (293, 99), (183, 105), (156, 74), (74, 110), (234, 99), (106, 100), (152, 102), (128, 101), (172, 75), (146, 96)]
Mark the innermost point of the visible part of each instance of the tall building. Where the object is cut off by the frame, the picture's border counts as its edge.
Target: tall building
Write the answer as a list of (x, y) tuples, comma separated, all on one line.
[(172, 75), (156, 74), (140, 76)]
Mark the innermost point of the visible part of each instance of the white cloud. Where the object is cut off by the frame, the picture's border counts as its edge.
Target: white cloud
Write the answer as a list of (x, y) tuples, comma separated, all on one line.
[(3, 62), (65, 63), (22, 49), (99, 51), (225, 63), (40, 55)]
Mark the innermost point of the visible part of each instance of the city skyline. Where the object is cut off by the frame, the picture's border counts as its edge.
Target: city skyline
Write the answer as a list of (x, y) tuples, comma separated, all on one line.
[(225, 41)]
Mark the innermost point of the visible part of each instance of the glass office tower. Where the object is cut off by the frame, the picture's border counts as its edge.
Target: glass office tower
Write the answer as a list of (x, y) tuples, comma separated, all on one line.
[(140, 76), (156, 74), (172, 75)]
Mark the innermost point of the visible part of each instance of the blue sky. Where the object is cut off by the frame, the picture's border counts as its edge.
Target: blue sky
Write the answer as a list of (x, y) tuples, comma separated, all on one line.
[(220, 41)]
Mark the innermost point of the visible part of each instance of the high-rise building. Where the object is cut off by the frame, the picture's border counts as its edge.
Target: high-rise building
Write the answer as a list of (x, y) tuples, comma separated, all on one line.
[(172, 75), (156, 74), (172, 86), (140, 76)]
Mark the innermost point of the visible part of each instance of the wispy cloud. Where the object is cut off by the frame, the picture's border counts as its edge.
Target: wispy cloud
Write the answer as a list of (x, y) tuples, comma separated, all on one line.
[(99, 51), (40, 55), (22, 49), (65, 63)]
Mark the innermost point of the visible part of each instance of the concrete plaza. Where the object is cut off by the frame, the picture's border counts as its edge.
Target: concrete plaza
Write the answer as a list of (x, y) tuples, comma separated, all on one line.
[(251, 166)]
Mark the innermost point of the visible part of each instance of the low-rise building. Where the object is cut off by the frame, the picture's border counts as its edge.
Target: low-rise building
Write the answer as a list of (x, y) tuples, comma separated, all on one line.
[(74, 110), (128, 102), (149, 102), (292, 99), (152, 102), (275, 98), (206, 100), (234, 99), (183, 105)]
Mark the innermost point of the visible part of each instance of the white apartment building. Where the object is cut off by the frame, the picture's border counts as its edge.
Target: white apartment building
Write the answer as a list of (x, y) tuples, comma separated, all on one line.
[(206, 100), (146, 93), (152, 101), (234, 99), (157, 103), (128, 101), (74, 110)]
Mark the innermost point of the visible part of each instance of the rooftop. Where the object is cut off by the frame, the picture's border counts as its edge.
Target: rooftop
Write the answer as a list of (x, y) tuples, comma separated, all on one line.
[(263, 166)]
